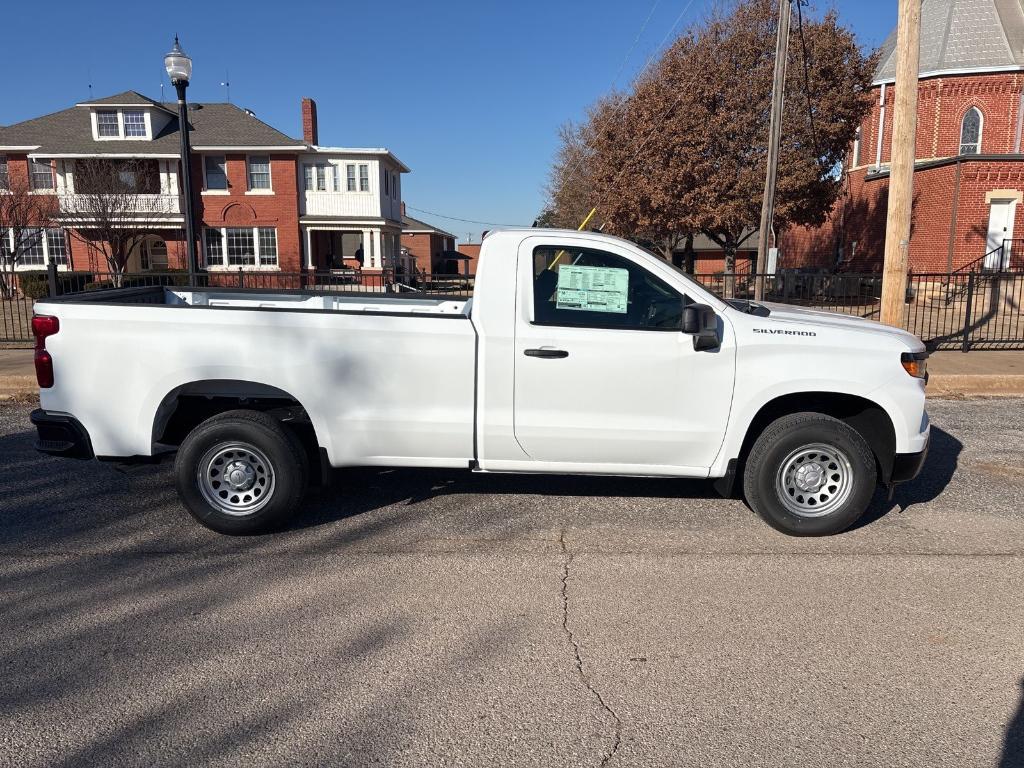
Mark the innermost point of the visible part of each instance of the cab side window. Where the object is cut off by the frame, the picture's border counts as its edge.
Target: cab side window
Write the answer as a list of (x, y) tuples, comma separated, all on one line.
[(597, 289)]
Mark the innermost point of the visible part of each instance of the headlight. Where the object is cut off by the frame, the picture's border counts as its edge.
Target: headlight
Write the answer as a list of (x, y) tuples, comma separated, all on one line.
[(916, 364)]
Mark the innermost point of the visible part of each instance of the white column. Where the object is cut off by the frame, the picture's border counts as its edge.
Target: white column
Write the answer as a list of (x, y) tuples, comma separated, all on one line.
[(378, 251), (309, 248), (69, 177)]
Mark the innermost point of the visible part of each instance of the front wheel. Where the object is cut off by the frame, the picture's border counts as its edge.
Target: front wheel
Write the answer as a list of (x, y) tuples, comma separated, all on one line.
[(809, 474), (241, 472)]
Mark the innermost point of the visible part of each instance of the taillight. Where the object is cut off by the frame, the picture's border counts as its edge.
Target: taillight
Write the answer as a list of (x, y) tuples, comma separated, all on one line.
[(44, 369), (43, 326)]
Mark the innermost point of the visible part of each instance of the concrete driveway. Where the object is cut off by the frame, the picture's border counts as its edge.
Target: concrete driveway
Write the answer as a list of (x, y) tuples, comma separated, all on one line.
[(442, 618)]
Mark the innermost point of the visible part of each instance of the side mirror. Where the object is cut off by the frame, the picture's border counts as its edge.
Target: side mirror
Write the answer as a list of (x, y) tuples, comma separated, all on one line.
[(700, 321)]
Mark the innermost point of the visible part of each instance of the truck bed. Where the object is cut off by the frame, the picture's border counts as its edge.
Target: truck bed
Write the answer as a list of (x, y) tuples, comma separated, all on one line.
[(385, 379)]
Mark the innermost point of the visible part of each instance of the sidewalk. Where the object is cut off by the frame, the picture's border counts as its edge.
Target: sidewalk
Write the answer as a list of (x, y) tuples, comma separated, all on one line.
[(981, 373), (17, 374)]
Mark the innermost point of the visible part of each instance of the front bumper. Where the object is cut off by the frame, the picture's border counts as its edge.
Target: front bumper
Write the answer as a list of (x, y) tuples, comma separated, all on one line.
[(907, 466), (61, 435)]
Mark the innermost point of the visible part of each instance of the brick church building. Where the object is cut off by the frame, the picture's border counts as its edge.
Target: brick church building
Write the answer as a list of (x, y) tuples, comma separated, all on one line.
[(969, 167)]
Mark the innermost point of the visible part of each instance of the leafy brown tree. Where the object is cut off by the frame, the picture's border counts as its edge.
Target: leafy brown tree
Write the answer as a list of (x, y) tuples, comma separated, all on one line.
[(688, 152), (646, 189), (571, 179)]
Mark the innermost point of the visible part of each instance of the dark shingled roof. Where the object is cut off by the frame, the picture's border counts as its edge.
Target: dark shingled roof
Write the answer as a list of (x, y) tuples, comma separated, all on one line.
[(409, 224), (127, 97), (213, 125)]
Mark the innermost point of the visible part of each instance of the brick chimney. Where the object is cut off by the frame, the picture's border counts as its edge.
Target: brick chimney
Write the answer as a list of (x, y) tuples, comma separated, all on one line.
[(309, 130)]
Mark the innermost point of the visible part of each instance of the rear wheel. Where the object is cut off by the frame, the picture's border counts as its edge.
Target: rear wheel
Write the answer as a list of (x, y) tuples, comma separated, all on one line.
[(809, 474), (241, 472)]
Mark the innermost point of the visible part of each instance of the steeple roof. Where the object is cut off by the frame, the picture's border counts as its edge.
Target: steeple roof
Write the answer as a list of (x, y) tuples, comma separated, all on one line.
[(963, 36)]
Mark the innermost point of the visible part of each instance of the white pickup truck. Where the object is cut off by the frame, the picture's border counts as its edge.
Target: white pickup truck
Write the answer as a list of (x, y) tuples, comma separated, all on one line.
[(578, 353)]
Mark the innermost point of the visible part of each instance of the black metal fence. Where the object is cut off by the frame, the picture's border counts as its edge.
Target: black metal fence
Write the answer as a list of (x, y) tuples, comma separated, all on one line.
[(980, 309)]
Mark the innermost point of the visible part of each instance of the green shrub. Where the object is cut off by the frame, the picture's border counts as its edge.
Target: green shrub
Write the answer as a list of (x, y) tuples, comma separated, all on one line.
[(36, 284)]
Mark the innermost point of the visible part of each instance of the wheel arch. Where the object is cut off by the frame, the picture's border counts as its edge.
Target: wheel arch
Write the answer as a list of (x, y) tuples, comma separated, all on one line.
[(866, 416), (187, 405)]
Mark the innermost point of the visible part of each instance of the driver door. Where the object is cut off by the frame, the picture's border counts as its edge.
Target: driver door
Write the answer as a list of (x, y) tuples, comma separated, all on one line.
[(604, 376)]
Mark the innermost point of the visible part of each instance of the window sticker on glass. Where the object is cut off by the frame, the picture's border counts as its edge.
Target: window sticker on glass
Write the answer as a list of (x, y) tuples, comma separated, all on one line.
[(592, 289)]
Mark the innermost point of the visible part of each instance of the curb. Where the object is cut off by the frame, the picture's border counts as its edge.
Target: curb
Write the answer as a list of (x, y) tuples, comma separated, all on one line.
[(18, 387), (975, 385)]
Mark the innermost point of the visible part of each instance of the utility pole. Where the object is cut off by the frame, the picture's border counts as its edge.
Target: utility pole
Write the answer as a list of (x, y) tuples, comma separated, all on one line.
[(774, 136), (901, 172)]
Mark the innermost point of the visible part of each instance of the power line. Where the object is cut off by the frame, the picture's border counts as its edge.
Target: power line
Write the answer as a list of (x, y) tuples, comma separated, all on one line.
[(807, 80), (456, 218), (635, 41)]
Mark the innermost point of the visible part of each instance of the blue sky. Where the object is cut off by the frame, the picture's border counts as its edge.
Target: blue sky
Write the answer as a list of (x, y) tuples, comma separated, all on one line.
[(469, 94)]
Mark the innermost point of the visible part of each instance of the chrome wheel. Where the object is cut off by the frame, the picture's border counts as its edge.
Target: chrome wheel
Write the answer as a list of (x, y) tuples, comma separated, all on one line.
[(235, 478), (814, 480)]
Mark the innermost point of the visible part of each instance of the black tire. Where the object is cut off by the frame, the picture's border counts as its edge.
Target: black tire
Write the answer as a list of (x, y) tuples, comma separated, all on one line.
[(837, 485), (267, 460)]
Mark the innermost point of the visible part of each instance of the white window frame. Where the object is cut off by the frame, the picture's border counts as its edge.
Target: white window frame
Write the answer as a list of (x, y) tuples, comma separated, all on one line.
[(5, 175), (227, 181), (364, 176), (116, 126), (121, 134), (351, 180), (8, 234), (269, 189), (981, 130), (31, 176), (124, 123), (258, 258)]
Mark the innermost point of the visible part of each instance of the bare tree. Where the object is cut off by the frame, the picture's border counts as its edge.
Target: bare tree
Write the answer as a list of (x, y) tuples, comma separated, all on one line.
[(24, 217), (116, 204)]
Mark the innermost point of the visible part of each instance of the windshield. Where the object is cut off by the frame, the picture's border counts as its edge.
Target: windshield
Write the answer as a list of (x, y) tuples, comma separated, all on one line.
[(678, 270), (743, 305)]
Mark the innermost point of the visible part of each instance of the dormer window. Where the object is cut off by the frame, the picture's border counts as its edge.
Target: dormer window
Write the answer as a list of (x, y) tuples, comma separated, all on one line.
[(121, 124), (134, 124), (107, 125)]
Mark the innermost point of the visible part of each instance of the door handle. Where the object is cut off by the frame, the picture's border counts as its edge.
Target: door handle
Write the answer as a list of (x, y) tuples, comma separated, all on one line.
[(546, 352)]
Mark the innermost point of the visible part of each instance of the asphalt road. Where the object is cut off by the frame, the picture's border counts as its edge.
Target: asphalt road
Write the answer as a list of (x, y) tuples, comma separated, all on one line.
[(419, 618)]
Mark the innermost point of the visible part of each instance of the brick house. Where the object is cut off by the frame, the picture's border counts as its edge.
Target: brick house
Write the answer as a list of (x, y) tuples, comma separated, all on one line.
[(472, 251), (432, 248), (969, 169), (263, 201)]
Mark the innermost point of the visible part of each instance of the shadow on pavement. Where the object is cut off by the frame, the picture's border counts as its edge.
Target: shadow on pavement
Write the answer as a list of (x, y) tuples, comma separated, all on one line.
[(132, 636), (52, 503), (939, 468), (1013, 744)]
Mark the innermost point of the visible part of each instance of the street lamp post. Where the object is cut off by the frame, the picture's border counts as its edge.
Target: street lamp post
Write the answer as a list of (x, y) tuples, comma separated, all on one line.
[(179, 68)]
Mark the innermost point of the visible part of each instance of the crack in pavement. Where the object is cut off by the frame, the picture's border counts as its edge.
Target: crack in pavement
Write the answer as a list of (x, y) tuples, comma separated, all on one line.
[(574, 645)]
